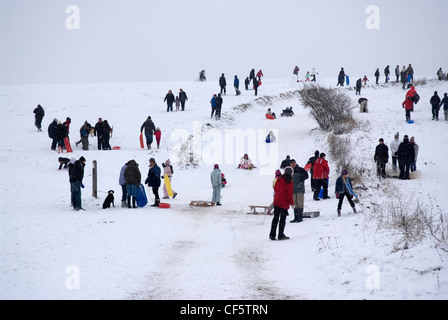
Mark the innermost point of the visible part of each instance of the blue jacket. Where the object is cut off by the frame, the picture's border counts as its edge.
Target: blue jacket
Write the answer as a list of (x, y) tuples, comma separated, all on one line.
[(340, 187), (213, 102), (236, 82)]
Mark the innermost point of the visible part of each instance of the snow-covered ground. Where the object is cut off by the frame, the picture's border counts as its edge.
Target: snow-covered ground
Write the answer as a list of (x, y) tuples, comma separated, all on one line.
[(49, 251)]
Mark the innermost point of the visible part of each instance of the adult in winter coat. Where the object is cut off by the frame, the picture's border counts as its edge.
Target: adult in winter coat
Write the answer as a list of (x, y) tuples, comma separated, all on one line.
[(169, 99), (251, 74), (84, 133), (313, 74), (216, 180), (150, 129), (381, 157), (377, 75), (444, 102), (311, 163), (39, 114), (299, 177), (358, 86), (61, 134), (394, 150), (440, 74), (76, 174), (236, 85), (153, 180), (98, 132), (296, 72), (122, 183), (182, 98), (341, 77), (321, 174), (386, 73), (343, 188), (246, 83), (260, 74), (397, 73), (132, 177), (435, 103), (403, 77), (222, 83), (406, 156), (283, 199), (107, 131), (285, 163), (169, 171), (410, 72), (414, 164), (218, 107), (52, 133), (256, 84), (213, 105)]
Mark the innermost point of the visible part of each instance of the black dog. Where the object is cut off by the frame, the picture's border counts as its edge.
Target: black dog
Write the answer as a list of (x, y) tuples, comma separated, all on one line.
[(109, 200)]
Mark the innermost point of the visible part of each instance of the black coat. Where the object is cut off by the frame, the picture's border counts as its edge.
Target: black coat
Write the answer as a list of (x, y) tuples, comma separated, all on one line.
[(39, 112), (406, 152), (169, 98), (381, 153), (76, 171), (435, 100), (132, 174), (222, 81), (52, 129)]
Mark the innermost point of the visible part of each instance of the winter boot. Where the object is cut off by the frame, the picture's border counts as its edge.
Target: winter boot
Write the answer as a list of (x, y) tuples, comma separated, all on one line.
[(300, 215), (339, 212), (123, 204), (296, 215), (133, 202), (354, 210), (156, 204), (129, 202)]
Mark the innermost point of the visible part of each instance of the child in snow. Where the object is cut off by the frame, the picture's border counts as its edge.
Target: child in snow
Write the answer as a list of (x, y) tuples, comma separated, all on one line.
[(270, 138), (245, 163), (63, 162), (168, 170), (158, 135), (215, 178), (278, 173), (365, 80), (343, 189), (177, 102), (223, 180), (270, 113)]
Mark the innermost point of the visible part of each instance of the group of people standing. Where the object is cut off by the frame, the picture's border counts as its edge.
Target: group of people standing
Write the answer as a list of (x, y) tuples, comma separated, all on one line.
[(404, 153)]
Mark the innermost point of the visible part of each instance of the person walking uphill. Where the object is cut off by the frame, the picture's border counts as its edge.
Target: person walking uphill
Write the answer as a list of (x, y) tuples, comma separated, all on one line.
[(153, 180), (283, 199), (39, 114), (132, 177), (169, 99), (343, 188), (150, 129), (76, 174), (216, 180), (182, 98)]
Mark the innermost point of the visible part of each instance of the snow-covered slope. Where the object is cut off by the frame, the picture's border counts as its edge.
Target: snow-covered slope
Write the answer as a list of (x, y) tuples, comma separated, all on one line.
[(49, 251)]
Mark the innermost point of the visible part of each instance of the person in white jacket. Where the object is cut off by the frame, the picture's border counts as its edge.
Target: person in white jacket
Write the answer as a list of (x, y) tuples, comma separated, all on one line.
[(216, 180), (393, 150)]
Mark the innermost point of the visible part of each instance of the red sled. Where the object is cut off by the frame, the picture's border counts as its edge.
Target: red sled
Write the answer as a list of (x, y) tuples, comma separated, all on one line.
[(68, 147), (270, 116), (142, 145), (116, 148)]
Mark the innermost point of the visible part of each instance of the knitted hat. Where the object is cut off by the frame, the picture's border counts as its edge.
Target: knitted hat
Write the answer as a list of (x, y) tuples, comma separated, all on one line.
[(288, 170), (344, 172), (278, 173), (216, 166)]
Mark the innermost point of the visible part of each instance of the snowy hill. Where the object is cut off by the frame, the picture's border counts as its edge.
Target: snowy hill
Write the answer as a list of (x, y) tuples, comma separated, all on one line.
[(49, 251)]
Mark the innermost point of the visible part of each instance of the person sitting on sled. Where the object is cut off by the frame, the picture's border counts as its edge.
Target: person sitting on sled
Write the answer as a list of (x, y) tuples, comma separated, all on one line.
[(270, 113), (245, 163)]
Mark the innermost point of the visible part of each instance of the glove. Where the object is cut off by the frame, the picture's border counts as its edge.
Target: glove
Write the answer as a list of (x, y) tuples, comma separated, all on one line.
[(82, 186)]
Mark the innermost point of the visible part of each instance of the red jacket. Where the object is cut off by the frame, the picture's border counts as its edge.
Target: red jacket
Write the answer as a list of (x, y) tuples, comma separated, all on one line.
[(284, 193), (321, 170), (158, 133), (407, 104)]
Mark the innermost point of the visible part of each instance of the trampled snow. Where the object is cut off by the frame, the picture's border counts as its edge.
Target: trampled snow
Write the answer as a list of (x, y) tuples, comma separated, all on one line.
[(49, 251)]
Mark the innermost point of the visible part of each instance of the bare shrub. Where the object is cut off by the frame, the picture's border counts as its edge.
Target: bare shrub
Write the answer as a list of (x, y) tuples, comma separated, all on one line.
[(331, 108)]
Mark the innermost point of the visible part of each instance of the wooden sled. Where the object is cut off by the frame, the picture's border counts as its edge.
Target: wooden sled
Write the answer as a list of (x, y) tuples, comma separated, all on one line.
[(253, 210), (311, 214), (201, 203)]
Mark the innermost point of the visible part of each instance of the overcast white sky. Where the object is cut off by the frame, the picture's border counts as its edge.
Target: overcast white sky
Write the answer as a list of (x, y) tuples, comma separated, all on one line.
[(169, 40)]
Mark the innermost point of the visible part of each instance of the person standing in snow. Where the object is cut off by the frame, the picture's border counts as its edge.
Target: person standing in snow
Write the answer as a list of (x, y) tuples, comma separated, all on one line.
[(386, 74), (313, 74), (397, 73), (153, 180), (61, 134), (252, 74), (403, 77), (132, 177), (358, 86), (218, 107), (39, 114), (98, 132), (321, 174), (341, 77), (299, 176), (296, 72), (122, 183), (246, 83), (168, 170), (410, 72), (407, 105), (158, 135), (213, 105), (236, 85), (169, 99), (283, 199), (256, 84), (440, 74), (216, 180), (84, 133), (311, 163), (444, 102), (278, 173), (107, 131), (52, 133), (182, 98), (377, 75), (150, 129), (394, 149), (343, 188), (414, 163), (381, 157), (260, 74), (435, 103), (406, 156), (222, 83), (76, 174)]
